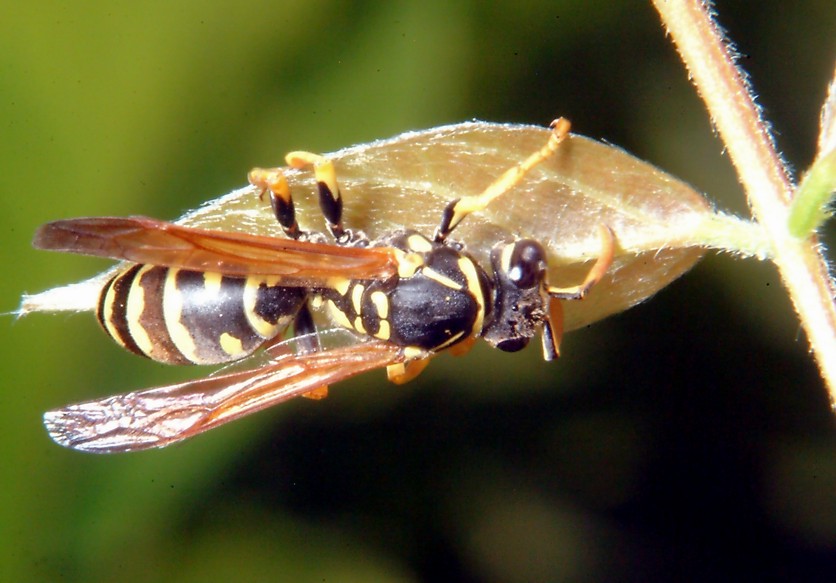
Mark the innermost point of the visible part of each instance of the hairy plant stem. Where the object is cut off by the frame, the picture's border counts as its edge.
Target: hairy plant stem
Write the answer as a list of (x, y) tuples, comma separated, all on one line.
[(765, 179)]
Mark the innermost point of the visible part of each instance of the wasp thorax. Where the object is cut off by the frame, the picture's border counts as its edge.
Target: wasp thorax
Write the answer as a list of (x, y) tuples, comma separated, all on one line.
[(519, 276)]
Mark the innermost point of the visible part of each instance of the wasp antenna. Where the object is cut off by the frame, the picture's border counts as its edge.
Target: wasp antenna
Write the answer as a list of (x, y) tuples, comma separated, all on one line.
[(598, 270), (553, 330)]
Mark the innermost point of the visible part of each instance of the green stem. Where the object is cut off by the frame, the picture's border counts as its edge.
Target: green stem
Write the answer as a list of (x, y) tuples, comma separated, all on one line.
[(737, 118)]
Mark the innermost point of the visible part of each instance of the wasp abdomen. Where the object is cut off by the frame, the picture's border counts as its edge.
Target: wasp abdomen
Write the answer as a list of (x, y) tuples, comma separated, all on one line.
[(179, 316)]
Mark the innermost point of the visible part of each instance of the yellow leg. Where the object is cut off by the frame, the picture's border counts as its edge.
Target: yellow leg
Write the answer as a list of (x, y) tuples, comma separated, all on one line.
[(463, 347), (406, 371), (457, 210)]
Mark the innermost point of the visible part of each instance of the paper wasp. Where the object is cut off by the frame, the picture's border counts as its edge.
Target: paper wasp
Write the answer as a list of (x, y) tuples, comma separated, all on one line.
[(196, 296)]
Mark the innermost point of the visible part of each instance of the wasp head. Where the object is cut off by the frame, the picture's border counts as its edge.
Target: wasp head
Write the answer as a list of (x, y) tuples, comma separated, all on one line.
[(520, 295)]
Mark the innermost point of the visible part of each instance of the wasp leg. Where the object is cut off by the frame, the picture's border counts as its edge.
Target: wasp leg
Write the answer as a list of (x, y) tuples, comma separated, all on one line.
[(272, 180), (406, 371), (330, 199), (458, 209), (463, 347), (304, 331), (602, 264)]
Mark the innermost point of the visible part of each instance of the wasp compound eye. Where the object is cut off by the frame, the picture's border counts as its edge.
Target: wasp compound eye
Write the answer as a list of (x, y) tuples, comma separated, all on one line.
[(527, 264)]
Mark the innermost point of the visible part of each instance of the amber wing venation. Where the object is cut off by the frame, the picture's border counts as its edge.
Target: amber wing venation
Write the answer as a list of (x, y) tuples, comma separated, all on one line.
[(149, 241), (164, 415)]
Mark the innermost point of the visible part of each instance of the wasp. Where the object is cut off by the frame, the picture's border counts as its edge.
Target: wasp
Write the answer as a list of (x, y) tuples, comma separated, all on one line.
[(197, 296)]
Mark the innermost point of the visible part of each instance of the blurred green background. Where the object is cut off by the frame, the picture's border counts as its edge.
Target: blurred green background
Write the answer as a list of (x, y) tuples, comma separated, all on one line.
[(687, 439)]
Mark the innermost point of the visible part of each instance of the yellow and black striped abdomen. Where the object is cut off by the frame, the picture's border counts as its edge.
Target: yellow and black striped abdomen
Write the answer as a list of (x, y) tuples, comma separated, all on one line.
[(178, 316)]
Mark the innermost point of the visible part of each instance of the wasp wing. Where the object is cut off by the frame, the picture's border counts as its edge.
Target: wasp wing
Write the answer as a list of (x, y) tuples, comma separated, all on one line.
[(149, 241), (164, 415)]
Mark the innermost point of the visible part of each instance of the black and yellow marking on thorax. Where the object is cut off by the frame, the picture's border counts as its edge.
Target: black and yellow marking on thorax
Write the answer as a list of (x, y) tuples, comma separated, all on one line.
[(180, 316), (437, 300)]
